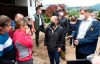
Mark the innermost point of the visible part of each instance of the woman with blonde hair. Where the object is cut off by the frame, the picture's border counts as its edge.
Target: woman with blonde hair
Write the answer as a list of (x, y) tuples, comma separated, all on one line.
[(23, 42)]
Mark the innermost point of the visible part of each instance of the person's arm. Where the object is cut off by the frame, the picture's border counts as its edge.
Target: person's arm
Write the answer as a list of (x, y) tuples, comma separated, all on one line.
[(33, 20), (62, 37), (74, 33), (23, 39), (90, 39), (1, 49), (33, 28), (1, 46), (46, 37), (93, 34)]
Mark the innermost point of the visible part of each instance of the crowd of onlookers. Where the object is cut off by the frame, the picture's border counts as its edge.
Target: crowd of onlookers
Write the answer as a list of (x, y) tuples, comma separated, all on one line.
[(16, 43)]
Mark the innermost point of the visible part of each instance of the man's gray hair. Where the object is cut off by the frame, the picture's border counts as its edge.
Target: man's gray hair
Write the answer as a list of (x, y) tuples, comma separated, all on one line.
[(95, 13)]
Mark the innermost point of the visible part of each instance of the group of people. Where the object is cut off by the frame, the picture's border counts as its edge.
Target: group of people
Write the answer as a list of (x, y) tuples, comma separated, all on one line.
[(84, 34), (16, 43)]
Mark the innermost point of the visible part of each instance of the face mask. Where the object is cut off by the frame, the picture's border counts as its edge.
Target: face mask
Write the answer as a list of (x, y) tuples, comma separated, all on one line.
[(82, 17), (52, 24), (61, 13), (40, 12)]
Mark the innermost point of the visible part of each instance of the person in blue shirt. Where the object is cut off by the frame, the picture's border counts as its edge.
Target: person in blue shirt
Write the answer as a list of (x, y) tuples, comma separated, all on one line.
[(7, 52), (13, 23)]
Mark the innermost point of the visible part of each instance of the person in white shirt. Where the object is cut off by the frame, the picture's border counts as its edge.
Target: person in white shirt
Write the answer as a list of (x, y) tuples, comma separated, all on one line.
[(38, 24), (86, 34)]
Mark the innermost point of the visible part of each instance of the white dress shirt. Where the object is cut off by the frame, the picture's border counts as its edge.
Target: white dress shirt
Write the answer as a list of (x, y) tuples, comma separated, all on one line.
[(40, 21), (84, 27)]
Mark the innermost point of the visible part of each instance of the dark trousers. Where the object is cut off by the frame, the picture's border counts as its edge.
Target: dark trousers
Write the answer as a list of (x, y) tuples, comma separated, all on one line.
[(7, 62), (64, 35), (30, 61), (80, 55), (54, 57), (37, 34)]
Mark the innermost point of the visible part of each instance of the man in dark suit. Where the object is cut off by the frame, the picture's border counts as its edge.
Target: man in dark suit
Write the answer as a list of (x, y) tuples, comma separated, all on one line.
[(65, 24), (86, 34)]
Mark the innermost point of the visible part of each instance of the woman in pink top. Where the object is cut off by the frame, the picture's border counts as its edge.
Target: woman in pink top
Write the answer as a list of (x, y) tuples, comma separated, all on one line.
[(23, 42)]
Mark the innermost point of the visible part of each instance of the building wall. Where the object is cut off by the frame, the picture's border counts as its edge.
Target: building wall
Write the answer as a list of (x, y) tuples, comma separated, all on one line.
[(31, 7), (29, 3), (21, 2)]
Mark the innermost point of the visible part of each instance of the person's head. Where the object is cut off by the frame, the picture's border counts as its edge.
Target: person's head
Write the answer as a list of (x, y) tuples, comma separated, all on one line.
[(19, 16), (21, 24), (95, 14), (27, 19), (84, 13), (4, 24), (73, 18), (38, 10), (54, 20), (61, 12)]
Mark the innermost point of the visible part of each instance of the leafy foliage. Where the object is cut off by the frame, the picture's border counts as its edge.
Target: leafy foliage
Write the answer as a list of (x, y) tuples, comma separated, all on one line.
[(50, 9), (99, 14)]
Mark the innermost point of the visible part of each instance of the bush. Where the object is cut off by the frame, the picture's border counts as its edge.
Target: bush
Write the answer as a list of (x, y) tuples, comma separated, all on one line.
[(46, 19), (99, 14), (50, 9)]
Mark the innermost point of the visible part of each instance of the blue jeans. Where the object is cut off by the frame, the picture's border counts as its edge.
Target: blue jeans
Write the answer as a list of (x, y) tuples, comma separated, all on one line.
[(54, 57)]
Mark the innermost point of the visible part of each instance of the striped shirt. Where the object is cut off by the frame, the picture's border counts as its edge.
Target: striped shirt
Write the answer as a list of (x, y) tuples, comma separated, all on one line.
[(5, 43)]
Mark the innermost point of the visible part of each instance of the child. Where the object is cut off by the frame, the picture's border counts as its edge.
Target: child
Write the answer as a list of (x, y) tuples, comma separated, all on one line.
[(7, 53), (23, 42)]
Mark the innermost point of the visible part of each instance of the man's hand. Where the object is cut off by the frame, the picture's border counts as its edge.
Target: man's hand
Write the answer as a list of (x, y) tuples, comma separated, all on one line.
[(96, 60), (33, 30), (76, 42), (27, 30), (69, 37), (45, 47), (59, 49)]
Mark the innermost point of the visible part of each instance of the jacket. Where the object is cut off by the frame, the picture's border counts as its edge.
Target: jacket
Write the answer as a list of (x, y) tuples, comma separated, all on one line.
[(6, 47), (87, 45), (54, 38), (64, 22), (36, 22), (23, 45)]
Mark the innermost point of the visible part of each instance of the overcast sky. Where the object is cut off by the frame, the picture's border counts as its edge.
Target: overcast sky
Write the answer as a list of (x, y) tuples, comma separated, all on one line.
[(71, 2)]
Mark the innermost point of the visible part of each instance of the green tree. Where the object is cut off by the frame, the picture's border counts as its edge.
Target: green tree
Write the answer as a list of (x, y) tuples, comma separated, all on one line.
[(99, 14)]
